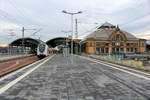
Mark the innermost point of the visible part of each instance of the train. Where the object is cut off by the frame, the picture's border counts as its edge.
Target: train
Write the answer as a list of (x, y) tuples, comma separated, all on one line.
[(42, 50)]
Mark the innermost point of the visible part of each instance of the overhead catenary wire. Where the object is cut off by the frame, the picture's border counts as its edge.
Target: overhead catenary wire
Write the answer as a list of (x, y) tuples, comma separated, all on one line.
[(22, 14), (139, 17), (11, 18), (135, 19), (8, 17), (92, 29), (18, 10)]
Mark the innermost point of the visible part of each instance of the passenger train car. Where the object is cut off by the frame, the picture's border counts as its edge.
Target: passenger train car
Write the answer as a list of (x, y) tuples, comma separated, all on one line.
[(42, 50)]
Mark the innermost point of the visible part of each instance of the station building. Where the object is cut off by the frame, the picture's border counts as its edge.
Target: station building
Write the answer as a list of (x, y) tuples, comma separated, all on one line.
[(148, 46), (108, 39)]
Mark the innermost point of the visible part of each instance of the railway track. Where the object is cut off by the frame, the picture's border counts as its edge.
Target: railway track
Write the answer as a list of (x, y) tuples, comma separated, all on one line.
[(15, 64)]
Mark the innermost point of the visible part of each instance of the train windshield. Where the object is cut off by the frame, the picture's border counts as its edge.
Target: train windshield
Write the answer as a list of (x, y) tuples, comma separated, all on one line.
[(41, 47)]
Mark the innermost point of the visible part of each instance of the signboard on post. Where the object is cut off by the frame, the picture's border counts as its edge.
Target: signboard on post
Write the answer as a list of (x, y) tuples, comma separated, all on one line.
[(66, 51)]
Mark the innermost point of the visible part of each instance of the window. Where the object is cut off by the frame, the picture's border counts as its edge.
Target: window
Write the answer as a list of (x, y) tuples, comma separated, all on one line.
[(107, 44), (127, 44), (113, 44), (121, 44), (117, 49), (135, 49), (98, 44), (106, 50), (142, 44), (117, 37), (97, 50), (90, 44), (102, 50), (113, 50), (127, 49), (131, 49), (121, 49)]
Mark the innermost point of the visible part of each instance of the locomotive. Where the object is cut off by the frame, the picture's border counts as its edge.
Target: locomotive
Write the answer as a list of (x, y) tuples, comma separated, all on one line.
[(42, 50)]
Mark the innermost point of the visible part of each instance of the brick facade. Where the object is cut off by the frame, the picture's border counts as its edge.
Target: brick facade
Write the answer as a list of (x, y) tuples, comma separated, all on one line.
[(111, 39)]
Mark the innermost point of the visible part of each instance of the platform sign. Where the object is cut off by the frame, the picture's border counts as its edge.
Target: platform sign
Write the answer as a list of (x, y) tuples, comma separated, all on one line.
[(66, 51)]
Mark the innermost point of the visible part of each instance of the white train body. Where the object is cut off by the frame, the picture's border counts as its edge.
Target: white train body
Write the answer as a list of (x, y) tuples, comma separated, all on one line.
[(42, 50)]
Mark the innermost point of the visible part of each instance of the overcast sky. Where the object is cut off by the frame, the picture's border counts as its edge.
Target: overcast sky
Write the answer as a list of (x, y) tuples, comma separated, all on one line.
[(131, 15)]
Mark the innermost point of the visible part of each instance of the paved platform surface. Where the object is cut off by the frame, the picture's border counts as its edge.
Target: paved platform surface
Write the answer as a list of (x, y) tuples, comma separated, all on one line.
[(75, 78)]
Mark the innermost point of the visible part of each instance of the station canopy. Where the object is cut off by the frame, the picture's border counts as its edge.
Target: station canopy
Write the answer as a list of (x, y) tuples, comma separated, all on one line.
[(57, 41), (28, 42)]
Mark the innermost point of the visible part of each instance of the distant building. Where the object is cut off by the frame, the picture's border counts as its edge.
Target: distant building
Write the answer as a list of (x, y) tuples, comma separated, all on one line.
[(3, 50), (148, 46), (111, 39)]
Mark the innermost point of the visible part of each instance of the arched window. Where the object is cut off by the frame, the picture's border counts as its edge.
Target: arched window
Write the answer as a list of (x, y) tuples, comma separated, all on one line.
[(118, 37)]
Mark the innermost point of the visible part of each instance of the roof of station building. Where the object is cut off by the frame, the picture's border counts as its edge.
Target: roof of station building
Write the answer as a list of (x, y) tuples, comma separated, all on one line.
[(105, 30)]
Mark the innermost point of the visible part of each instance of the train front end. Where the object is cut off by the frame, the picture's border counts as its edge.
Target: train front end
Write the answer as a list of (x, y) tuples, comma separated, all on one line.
[(42, 50)]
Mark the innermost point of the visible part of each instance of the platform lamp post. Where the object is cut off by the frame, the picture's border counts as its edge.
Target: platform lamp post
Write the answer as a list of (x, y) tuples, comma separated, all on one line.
[(71, 13), (66, 32)]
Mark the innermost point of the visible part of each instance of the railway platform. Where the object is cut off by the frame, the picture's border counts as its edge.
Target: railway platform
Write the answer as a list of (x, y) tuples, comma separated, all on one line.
[(59, 77)]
